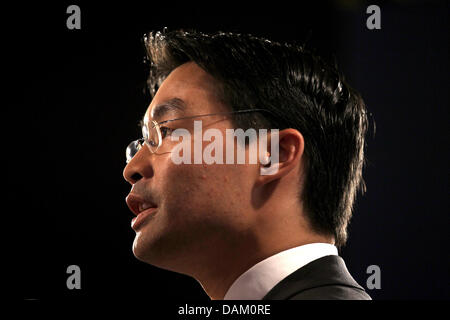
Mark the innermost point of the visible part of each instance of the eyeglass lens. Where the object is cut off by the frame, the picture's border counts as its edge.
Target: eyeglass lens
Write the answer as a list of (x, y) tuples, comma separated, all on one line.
[(151, 136)]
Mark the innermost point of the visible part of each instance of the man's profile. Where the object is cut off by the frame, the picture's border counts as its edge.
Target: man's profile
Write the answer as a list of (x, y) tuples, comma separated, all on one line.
[(240, 233)]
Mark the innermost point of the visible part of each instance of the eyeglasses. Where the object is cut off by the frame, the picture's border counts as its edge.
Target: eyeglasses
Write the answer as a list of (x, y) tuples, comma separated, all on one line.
[(153, 133)]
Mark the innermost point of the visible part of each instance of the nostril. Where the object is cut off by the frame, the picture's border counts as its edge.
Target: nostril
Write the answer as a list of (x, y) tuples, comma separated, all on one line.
[(136, 177)]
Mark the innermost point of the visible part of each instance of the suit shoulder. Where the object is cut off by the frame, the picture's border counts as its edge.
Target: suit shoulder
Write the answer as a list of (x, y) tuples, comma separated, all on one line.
[(326, 278), (332, 292)]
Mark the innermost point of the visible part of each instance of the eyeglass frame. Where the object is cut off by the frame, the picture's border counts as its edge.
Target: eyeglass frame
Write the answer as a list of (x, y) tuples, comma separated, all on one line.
[(141, 141)]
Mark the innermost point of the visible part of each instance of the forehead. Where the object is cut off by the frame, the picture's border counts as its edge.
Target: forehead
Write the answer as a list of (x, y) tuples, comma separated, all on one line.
[(188, 90)]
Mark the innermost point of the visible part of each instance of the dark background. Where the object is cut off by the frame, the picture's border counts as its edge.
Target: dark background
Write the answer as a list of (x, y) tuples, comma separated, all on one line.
[(77, 95)]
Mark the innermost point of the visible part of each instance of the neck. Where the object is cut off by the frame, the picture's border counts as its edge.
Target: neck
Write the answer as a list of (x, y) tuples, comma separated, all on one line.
[(223, 266), (217, 276)]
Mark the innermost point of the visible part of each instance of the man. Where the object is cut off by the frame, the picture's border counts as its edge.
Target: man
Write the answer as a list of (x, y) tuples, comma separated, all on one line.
[(241, 233)]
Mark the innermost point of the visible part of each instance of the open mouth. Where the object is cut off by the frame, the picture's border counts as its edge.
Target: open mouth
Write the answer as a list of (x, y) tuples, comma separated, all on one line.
[(145, 206), (142, 208)]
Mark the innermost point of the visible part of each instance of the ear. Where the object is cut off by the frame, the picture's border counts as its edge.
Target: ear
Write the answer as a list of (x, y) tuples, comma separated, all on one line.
[(289, 144)]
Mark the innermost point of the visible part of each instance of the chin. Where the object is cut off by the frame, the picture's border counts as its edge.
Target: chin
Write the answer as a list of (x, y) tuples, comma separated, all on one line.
[(146, 249), (160, 252), (137, 249), (143, 247)]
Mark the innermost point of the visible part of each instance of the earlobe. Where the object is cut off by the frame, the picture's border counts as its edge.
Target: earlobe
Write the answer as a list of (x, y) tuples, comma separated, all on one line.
[(269, 169)]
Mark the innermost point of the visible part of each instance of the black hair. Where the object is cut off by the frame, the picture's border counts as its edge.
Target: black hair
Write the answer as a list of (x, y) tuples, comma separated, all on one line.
[(301, 91)]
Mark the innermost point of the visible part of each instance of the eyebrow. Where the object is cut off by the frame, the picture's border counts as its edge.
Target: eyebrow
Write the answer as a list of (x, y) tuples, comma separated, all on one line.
[(174, 104)]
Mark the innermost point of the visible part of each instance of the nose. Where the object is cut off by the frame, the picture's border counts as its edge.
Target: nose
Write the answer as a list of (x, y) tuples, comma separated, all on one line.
[(139, 167)]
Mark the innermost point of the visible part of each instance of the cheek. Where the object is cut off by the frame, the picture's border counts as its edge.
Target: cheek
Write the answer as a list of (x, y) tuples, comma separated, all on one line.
[(184, 187), (188, 186), (196, 191), (179, 187), (208, 189)]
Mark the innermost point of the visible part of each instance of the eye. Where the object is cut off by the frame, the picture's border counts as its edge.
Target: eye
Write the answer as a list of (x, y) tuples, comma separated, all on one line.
[(152, 143), (165, 131)]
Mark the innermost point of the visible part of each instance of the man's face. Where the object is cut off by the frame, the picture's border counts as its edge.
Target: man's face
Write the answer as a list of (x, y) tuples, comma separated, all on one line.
[(199, 207)]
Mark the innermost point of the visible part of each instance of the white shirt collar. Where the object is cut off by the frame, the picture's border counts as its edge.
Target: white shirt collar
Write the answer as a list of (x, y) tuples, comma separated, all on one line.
[(257, 281)]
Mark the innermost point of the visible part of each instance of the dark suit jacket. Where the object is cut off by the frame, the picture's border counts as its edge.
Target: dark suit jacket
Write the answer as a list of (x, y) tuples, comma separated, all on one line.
[(326, 278)]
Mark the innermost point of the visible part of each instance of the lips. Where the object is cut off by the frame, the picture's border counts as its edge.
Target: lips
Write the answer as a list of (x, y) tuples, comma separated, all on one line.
[(141, 207), (137, 204), (144, 206)]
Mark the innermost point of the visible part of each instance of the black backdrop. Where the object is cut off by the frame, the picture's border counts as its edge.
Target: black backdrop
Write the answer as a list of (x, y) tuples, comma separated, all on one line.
[(76, 97)]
